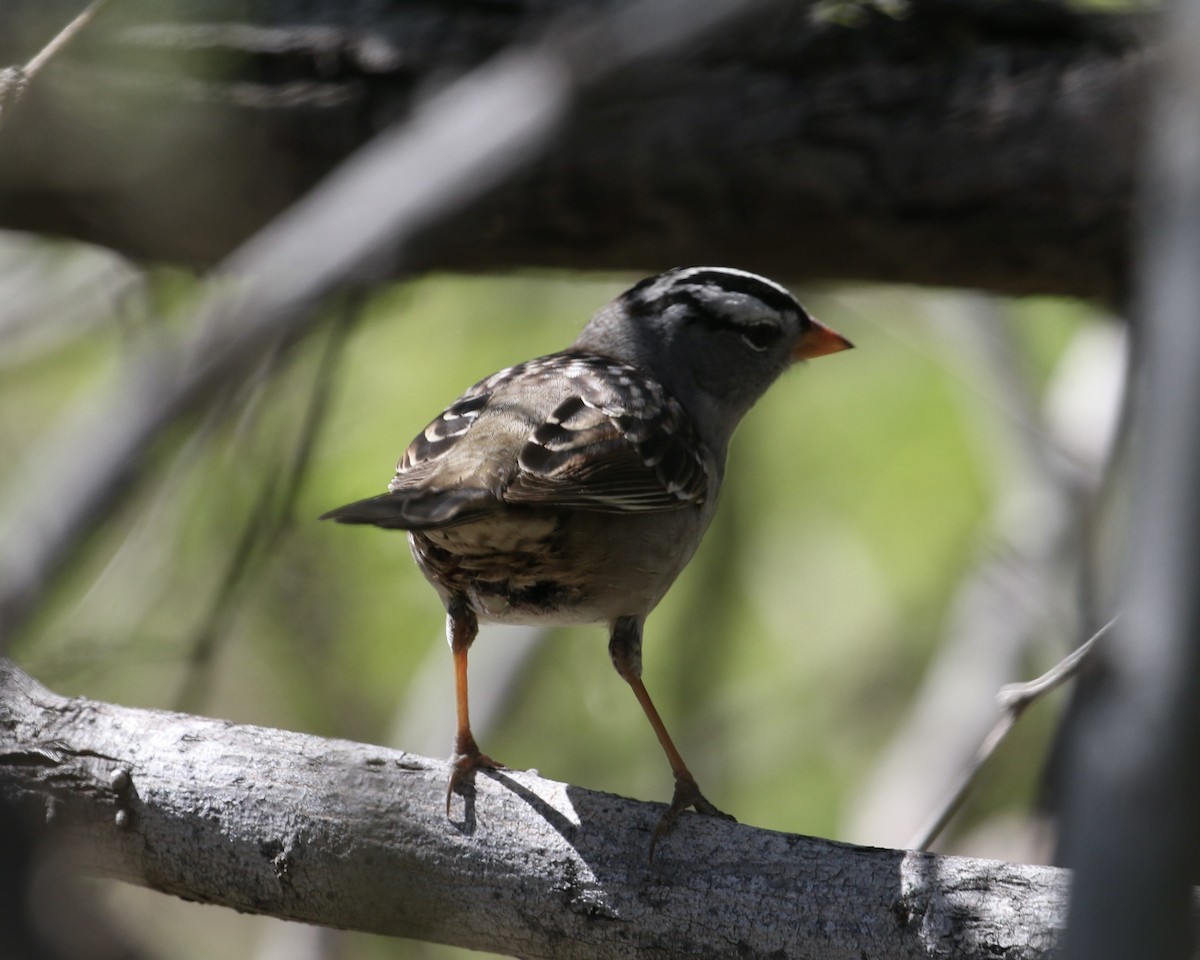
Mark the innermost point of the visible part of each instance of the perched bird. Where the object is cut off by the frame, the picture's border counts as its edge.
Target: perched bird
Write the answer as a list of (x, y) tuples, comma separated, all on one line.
[(574, 488)]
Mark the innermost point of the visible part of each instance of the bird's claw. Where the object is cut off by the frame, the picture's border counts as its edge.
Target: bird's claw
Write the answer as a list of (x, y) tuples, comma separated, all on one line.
[(462, 773), (687, 795)]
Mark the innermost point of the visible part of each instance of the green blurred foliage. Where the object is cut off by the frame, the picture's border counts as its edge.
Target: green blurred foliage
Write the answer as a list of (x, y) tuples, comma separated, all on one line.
[(782, 660)]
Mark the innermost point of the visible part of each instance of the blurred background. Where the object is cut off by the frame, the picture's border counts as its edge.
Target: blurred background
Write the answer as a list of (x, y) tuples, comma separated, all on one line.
[(905, 528)]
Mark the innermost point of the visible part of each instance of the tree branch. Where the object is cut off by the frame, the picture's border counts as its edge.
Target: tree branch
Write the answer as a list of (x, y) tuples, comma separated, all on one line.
[(350, 835), (1132, 781), (1013, 699), (14, 80), (983, 144)]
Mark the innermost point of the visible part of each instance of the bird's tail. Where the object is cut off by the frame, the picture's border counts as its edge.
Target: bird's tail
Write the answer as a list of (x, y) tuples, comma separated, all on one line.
[(406, 510)]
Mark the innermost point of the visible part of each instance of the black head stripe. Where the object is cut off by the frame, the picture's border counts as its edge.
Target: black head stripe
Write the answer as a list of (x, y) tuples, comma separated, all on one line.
[(638, 301), (750, 286), (697, 289), (680, 295)]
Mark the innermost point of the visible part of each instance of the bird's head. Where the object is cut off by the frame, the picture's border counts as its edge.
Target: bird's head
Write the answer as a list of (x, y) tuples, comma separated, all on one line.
[(716, 337)]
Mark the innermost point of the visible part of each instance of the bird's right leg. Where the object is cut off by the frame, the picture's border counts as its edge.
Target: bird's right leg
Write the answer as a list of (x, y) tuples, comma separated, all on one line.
[(625, 648), (461, 628)]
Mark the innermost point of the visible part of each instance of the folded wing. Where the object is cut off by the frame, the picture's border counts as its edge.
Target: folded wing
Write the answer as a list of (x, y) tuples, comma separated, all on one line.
[(613, 442)]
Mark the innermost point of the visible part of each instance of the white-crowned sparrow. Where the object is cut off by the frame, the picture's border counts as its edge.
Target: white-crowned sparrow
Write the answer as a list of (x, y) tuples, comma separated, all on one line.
[(574, 488)]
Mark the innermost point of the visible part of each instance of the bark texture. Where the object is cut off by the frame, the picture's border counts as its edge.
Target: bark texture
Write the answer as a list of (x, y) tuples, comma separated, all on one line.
[(986, 144), (355, 836)]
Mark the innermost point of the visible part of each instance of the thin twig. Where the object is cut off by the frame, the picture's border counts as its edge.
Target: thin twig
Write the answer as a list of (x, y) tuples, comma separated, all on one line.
[(1013, 699), (269, 517), (1018, 696), (1038, 523), (15, 80), (63, 37)]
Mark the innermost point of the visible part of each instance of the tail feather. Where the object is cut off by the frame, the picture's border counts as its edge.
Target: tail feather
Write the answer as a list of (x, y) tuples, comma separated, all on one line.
[(403, 510)]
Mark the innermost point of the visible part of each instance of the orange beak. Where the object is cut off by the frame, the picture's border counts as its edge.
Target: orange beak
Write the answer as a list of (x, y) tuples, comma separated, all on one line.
[(819, 341)]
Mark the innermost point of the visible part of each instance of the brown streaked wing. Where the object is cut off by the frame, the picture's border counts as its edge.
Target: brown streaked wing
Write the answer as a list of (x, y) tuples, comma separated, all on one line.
[(620, 444), (442, 432)]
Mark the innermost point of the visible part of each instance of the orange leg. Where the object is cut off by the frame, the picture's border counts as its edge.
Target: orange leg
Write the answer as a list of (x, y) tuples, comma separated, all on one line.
[(461, 628), (625, 648)]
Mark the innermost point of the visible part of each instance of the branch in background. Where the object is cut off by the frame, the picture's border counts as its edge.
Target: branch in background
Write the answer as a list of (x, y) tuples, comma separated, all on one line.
[(475, 134), (63, 37), (1013, 699), (268, 517), (1130, 828), (14, 81), (1045, 459), (925, 148), (350, 835), (51, 300)]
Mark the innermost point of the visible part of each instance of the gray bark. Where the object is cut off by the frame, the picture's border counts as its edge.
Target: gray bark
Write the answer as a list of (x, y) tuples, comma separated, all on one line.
[(356, 836), (971, 144), (1132, 780)]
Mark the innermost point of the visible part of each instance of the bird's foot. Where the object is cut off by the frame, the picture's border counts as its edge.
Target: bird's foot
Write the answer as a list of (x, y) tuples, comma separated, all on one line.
[(462, 774), (687, 795)]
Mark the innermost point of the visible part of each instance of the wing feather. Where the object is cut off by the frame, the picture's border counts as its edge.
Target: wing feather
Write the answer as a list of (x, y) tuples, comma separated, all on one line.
[(618, 443), (614, 442)]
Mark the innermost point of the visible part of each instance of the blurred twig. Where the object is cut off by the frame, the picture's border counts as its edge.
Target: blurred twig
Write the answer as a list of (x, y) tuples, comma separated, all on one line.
[(457, 146), (1012, 698), (53, 296), (15, 80), (1028, 574), (63, 37), (269, 516)]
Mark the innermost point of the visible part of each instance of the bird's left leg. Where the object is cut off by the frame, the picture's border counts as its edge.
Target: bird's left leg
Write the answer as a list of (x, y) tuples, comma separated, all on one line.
[(461, 627), (625, 648)]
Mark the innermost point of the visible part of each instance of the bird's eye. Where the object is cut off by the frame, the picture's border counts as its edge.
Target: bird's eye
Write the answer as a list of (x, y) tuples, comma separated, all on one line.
[(760, 336)]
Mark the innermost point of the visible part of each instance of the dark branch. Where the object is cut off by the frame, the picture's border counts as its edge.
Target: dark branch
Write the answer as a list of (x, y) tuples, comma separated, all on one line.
[(1133, 784), (967, 143)]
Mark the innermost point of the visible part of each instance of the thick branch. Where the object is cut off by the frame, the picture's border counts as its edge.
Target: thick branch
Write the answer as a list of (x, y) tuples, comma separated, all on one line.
[(350, 835), (967, 143), (1132, 782)]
